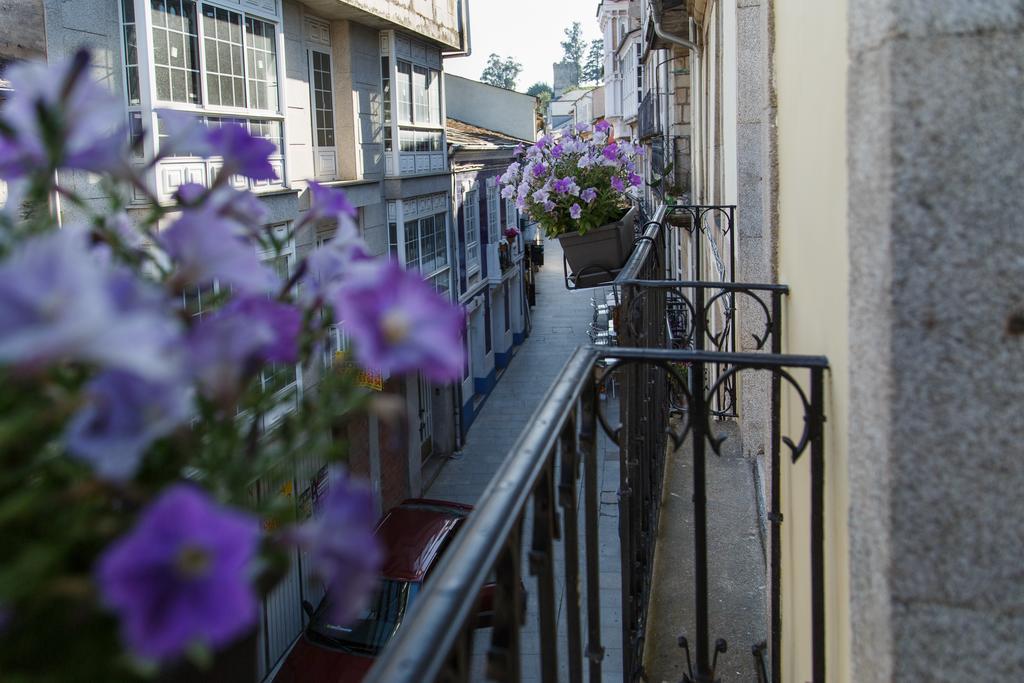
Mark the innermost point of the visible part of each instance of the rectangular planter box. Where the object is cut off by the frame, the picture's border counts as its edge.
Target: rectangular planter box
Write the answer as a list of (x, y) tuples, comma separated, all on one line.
[(601, 251)]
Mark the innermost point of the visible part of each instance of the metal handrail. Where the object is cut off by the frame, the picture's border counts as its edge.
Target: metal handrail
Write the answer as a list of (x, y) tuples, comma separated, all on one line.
[(418, 651), (437, 631)]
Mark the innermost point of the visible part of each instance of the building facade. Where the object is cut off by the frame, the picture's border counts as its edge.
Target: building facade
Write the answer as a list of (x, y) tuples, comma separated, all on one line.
[(825, 126), (352, 95), (486, 125)]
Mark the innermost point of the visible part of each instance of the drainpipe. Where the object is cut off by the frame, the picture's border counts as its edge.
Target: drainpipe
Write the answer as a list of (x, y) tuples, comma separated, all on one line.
[(466, 46), (694, 91)]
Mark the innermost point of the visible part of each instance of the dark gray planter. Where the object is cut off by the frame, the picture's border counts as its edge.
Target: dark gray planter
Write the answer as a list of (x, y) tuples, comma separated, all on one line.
[(602, 250)]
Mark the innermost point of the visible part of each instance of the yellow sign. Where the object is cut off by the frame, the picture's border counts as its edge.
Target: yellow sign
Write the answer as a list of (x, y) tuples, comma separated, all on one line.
[(371, 379)]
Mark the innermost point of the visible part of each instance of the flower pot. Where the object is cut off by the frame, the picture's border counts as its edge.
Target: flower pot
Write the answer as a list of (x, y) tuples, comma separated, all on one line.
[(601, 251)]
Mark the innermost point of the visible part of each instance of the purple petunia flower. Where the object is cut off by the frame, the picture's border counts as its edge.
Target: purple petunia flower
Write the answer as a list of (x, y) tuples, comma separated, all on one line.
[(617, 184), (602, 126), (244, 154), (549, 206), (635, 180), (283, 319), (399, 322), (330, 203), (508, 191), (124, 415), (562, 185), (328, 264), (59, 300), (340, 542), (59, 117), (582, 127), (611, 151), (205, 247), (556, 151), (589, 195), (541, 196), (575, 211), (180, 576), (510, 173), (241, 206), (229, 346), (539, 170)]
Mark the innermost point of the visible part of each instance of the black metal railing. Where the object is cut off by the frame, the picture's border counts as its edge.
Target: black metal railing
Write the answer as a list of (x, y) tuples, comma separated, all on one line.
[(649, 122), (531, 503)]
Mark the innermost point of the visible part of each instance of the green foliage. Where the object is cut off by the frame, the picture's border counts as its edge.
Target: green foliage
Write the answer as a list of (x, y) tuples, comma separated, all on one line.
[(540, 89), (593, 69), (573, 47), (501, 73)]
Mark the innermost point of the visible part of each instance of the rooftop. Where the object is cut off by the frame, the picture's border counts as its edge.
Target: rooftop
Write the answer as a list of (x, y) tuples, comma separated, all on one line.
[(467, 135)]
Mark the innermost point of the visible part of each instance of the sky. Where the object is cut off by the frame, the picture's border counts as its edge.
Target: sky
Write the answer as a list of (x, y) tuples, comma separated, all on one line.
[(531, 31)]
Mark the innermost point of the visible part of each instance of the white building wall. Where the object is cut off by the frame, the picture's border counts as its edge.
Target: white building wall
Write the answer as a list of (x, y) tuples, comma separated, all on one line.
[(498, 109)]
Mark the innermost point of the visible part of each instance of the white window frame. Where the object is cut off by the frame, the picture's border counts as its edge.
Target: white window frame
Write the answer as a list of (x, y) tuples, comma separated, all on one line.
[(325, 158), (471, 208), (493, 211), (417, 147), (147, 75)]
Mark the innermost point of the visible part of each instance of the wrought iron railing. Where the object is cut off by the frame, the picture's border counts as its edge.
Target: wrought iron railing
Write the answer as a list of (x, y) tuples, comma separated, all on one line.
[(531, 503)]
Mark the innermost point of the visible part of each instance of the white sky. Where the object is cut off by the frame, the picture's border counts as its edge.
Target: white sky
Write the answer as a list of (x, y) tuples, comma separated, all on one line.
[(531, 31)]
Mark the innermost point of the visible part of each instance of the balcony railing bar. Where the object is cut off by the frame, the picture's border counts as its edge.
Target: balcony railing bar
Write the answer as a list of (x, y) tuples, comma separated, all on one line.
[(435, 636)]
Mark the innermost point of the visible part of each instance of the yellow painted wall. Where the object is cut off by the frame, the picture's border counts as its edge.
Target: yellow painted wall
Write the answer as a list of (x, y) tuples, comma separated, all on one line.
[(810, 71)]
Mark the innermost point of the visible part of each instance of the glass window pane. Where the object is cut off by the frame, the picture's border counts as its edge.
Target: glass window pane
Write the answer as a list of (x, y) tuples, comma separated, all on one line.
[(178, 84), (419, 94), (159, 13), (163, 83), (404, 87)]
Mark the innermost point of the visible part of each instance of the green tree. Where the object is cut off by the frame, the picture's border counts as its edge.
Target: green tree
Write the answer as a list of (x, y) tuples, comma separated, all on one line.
[(540, 89), (501, 72), (593, 69), (573, 48), (543, 93)]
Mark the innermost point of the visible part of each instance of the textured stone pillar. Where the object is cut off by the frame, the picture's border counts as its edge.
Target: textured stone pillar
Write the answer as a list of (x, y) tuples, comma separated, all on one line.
[(936, 448), (755, 212)]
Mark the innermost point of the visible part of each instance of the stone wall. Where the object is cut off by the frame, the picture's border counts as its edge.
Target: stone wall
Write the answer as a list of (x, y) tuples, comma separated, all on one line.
[(937, 339)]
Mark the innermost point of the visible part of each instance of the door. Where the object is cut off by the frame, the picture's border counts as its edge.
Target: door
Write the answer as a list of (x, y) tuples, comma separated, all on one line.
[(325, 151)]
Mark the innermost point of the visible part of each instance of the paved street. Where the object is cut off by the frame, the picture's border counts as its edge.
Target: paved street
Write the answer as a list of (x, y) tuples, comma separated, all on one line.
[(560, 321)]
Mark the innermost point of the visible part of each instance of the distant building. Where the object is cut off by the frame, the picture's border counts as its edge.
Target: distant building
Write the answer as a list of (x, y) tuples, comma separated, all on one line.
[(491, 279), (566, 76)]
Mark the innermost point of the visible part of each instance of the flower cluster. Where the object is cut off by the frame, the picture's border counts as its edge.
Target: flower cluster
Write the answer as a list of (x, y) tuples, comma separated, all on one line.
[(511, 233), (578, 182), (133, 430)]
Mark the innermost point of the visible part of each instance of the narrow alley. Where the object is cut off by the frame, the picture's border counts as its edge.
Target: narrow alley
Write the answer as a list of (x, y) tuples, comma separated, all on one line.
[(560, 321)]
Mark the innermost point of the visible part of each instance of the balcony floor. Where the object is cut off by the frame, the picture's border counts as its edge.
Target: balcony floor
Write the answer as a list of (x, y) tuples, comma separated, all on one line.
[(737, 602)]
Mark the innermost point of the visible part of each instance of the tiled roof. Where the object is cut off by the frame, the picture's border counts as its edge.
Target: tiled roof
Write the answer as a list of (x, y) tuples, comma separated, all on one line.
[(466, 134)]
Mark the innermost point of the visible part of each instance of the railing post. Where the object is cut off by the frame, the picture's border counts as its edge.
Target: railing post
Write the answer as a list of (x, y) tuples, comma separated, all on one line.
[(817, 419), (592, 508), (569, 471), (542, 566), (700, 542), (503, 662), (775, 493)]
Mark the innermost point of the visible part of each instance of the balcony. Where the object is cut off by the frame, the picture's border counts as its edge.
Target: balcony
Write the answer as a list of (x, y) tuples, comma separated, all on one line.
[(505, 260), (649, 119), (545, 525)]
